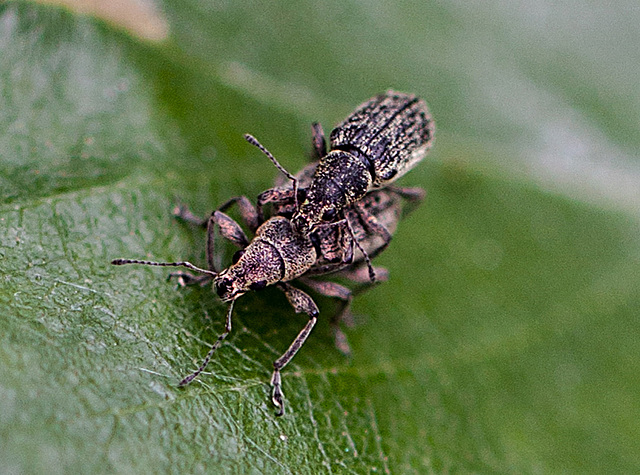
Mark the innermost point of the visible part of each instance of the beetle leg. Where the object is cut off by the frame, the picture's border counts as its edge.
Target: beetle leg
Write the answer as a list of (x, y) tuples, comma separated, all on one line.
[(251, 215), (301, 302), (413, 195), (360, 274), (410, 193), (319, 142), (281, 198), (229, 229), (331, 289), (184, 278), (373, 226), (365, 255), (183, 213)]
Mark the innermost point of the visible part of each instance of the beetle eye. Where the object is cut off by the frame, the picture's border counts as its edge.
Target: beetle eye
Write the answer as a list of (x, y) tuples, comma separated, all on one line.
[(236, 257), (261, 284), (222, 287), (329, 215)]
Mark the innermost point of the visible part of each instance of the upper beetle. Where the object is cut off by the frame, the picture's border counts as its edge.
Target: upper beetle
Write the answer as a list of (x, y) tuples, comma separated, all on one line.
[(379, 142)]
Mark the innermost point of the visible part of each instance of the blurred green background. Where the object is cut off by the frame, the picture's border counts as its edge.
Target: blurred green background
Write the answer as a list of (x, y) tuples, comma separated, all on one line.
[(507, 337)]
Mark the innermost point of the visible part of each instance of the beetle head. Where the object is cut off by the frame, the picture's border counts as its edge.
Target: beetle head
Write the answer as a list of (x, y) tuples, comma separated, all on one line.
[(256, 267)]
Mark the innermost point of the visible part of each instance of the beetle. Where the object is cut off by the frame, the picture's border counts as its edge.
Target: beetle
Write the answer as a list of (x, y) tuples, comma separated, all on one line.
[(379, 142), (277, 255)]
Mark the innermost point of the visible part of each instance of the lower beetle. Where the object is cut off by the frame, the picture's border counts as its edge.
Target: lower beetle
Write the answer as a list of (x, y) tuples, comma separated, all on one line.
[(277, 255)]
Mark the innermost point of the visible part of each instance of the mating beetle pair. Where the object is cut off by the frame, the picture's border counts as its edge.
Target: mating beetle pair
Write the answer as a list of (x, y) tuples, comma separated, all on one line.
[(333, 217)]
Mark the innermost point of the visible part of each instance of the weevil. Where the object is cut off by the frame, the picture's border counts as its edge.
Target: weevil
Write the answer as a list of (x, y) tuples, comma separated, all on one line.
[(277, 255), (379, 142)]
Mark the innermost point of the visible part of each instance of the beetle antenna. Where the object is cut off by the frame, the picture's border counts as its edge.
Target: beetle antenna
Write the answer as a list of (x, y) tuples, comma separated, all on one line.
[(367, 259), (254, 141), (214, 347), (188, 265)]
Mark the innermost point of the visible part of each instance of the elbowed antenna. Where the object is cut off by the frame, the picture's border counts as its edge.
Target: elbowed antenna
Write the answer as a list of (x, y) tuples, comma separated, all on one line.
[(214, 347), (188, 265), (254, 141)]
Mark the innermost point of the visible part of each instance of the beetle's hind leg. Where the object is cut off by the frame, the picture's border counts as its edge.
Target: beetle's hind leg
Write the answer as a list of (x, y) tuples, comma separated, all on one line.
[(359, 275)]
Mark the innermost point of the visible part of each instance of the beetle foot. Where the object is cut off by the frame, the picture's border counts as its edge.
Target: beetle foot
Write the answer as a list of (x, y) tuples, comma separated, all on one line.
[(276, 392)]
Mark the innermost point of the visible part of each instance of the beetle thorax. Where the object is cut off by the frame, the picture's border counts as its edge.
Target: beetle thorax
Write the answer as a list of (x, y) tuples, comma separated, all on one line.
[(340, 179), (276, 254)]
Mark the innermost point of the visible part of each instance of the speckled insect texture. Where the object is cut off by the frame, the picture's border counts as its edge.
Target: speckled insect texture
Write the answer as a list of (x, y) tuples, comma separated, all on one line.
[(378, 143), (333, 217)]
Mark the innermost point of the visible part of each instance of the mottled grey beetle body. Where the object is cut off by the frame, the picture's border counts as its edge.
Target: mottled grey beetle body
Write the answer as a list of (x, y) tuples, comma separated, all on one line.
[(345, 218), (276, 254), (381, 141), (385, 206)]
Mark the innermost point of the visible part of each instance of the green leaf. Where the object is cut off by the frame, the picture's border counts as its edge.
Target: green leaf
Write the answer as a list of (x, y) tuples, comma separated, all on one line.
[(505, 340)]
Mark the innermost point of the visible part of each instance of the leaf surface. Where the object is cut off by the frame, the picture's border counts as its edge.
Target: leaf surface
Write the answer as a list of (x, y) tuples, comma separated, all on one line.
[(505, 340)]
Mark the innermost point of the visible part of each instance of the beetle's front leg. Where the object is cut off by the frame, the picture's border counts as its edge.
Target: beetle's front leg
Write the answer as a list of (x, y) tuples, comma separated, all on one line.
[(281, 199), (183, 213), (301, 302), (251, 215)]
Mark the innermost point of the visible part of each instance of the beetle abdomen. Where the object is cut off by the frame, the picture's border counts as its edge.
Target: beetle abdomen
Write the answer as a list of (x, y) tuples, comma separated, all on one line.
[(392, 131)]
